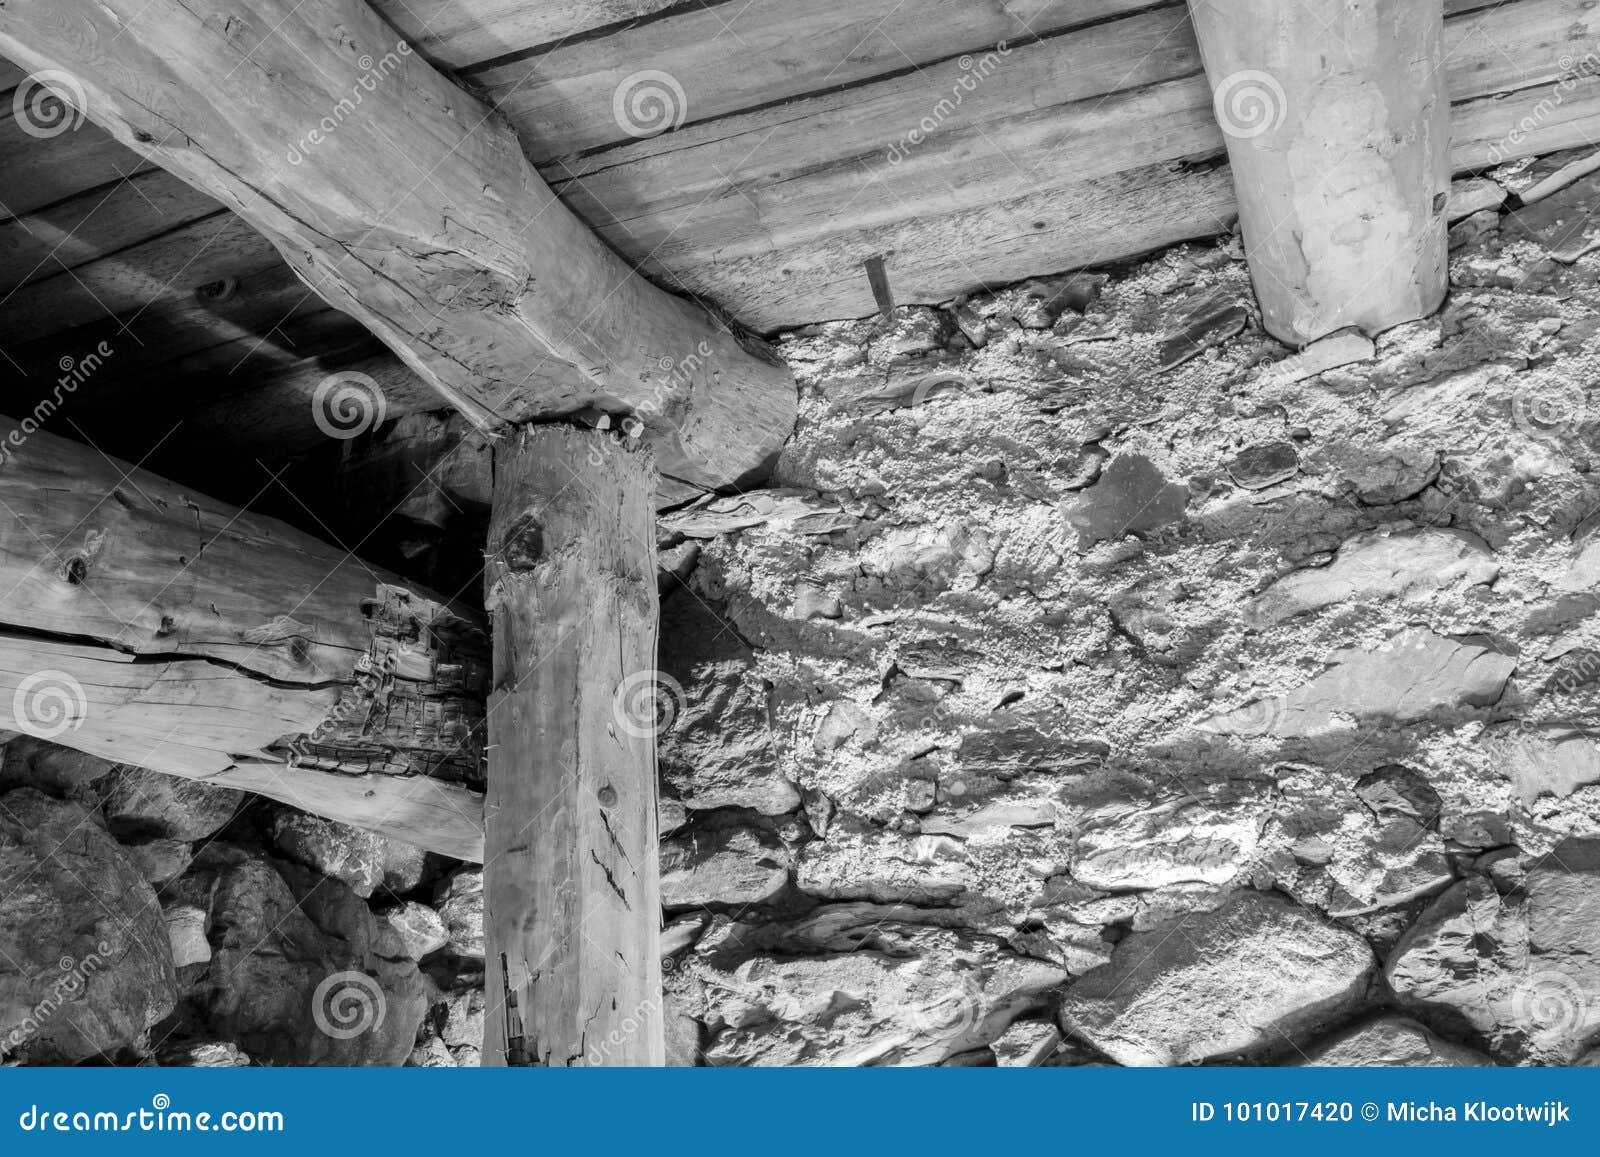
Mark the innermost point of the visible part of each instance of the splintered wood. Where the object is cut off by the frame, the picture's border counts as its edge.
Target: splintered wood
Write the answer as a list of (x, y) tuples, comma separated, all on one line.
[(571, 893), (151, 625)]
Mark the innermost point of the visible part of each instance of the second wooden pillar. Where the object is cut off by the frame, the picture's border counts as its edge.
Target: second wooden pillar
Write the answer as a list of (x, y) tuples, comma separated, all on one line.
[(571, 889)]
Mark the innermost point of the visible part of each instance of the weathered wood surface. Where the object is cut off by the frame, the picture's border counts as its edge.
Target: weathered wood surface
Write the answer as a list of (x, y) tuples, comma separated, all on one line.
[(774, 210), (416, 212), (770, 208), (191, 637), (462, 32), (175, 264), (80, 230), (572, 905), (1337, 128), (726, 59)]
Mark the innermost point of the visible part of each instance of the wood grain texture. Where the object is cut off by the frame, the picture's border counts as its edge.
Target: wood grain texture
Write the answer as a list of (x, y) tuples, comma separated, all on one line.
[(114, 219), (727, 58), (572, 906), (1338, 131), (773, 211), (457, 33), (189, 636), (403, 202)]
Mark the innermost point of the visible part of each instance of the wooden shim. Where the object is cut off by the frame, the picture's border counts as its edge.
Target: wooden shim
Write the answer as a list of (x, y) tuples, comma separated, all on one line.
[(416, 212), (572, 905), (1338, 132)]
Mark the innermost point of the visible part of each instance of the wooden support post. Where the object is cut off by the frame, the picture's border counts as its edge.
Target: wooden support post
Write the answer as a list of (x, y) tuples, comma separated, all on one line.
[(408, 204), (1338, 131), (149, 624), (572, 904)]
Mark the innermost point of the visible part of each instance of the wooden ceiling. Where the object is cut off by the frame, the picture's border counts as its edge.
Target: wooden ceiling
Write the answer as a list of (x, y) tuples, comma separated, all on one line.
[(1089, 137)]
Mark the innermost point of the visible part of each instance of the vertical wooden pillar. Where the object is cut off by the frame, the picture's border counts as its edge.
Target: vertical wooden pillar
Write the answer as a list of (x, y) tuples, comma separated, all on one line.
[(572, 909), (1338, 130)]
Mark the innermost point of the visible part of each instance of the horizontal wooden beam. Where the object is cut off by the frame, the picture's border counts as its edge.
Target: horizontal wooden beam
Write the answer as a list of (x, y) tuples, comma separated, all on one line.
[(405, 202), (1075, 149), (148, 624)]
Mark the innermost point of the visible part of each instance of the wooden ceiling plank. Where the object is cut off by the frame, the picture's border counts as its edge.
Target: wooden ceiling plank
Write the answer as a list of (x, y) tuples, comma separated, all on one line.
[(96, 224), (40, 171), (172, 265), (710, 62), (416, 212), (774, 180), (459, 33)]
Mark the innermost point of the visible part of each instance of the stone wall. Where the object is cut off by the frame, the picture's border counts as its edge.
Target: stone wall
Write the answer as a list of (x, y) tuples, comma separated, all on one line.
[(1097, 681), (1143, 683)]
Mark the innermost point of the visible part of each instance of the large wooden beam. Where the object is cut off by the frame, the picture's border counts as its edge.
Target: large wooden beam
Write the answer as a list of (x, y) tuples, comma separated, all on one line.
[(572, 904), (148, 624), (1338, 131), (408, 204)]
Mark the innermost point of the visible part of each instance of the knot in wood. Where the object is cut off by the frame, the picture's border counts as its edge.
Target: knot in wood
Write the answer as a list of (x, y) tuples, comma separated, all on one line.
[(522, 546)]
